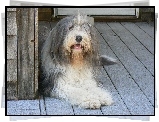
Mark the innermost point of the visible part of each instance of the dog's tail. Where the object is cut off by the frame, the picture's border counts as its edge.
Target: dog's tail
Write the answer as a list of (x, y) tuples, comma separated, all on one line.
[(106, 60)]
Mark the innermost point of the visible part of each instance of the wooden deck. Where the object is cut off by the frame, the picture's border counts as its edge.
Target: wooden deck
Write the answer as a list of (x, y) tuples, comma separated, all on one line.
[(131, 82)]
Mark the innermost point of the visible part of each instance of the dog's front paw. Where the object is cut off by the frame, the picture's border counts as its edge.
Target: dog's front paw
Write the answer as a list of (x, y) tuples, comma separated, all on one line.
[(90, 103), (105, 99)]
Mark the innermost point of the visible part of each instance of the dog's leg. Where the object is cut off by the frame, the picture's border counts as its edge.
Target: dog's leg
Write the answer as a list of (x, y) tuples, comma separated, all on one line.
[(88, 95), (83, 98), (78, 96), (102, 95)]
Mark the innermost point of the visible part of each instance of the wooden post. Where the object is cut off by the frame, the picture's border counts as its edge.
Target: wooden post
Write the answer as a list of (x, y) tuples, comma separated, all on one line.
[(22, 53), (36, 52), (26, 51)]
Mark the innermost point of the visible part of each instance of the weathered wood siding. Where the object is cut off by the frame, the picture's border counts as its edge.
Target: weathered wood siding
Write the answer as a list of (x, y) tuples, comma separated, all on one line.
[(11, 54), (25, 24), (147, 14), (36, 56), (45, 14), (22, 53)]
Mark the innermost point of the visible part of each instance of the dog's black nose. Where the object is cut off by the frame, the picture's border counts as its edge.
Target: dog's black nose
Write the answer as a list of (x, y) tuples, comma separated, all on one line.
[(78, 38)]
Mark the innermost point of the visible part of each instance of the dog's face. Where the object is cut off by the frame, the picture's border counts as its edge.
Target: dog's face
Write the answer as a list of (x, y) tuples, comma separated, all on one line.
[(78, 37), (75, 38)]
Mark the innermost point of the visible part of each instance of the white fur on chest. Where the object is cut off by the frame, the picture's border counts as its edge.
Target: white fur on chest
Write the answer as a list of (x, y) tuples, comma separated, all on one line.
[(81, 77), (78, 86)]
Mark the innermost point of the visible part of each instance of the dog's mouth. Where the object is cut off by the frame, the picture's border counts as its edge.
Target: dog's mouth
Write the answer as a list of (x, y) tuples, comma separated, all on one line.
[(77, 47)]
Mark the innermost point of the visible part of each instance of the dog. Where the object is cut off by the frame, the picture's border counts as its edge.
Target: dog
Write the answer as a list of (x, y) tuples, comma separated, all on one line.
[(70, 62)]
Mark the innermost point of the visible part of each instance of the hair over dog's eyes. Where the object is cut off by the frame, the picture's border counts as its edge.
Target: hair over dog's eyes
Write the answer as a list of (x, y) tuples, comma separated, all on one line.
[(70, 27)]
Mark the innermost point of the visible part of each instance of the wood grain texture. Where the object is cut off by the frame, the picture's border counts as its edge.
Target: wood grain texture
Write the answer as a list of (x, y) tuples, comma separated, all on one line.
[(131, 78), (136, 41), (12, 70), (25, 37), (147, 28), (11, 23), (11, 47), (11, 90), (11, 54), (11, 79), (142, 37), (36, 50)]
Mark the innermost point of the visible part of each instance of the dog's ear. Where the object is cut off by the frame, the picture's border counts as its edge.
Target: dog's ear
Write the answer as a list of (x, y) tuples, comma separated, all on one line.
[(106, 60)]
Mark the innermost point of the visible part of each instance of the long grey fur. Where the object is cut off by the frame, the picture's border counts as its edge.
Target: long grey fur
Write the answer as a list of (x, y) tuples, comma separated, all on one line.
[(52, 55)]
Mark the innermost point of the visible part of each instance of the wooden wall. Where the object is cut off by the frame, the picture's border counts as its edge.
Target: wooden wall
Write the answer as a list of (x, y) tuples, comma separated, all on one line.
[(22, 53), (11, 54), (45, 14), (147, 14)]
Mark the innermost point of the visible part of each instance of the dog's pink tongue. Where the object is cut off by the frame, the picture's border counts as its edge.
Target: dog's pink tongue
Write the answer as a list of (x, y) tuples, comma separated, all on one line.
[(77, 46)]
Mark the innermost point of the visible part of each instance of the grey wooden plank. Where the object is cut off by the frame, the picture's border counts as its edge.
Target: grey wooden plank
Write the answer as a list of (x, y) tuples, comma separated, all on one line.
[(11, 47), (42, 106), (11, 111), (11, 70), (25, 39), (146, 28), (11, 23), (135, 100), (82, 111), (57, 107), (23, 107), (144, 79), (133, 44), (143, 37), (11, 90), (23, 104), (118, 107), (139, 73)]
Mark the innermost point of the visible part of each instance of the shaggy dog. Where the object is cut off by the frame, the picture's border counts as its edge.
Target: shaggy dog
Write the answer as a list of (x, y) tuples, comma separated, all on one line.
[(70, 62)]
